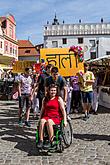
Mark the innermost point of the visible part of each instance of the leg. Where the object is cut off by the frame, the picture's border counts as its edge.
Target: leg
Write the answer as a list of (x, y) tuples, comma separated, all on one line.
[(20, 113), (84, 101), (50, 124), (27, 114), (96, 101), (41, 132), (41, 129), (21, 103), (93, 101), (85, 105), (85, 108), (28, 106), (68, 105), (36, 106), (90, 100), (72, 96), (76, 100)]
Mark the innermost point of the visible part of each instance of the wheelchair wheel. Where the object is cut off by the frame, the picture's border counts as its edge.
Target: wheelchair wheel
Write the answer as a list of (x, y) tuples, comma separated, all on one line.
[(67, 134)]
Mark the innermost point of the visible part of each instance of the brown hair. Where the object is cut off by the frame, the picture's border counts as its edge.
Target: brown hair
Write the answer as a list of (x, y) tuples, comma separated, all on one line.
[(47, 97)]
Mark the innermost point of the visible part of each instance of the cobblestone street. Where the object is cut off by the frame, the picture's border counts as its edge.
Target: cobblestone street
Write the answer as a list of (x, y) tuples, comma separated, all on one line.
[(90, 144)]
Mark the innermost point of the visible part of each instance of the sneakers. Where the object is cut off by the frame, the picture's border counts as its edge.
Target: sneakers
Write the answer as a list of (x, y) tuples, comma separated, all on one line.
[(88, 115), (85, 118), (27, 124), (68, 117), (40, 145), (20, 123), (47, 145), (95, 113)]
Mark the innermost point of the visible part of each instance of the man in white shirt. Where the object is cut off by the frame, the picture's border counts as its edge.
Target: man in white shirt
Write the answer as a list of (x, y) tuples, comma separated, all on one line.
[(25, 95)]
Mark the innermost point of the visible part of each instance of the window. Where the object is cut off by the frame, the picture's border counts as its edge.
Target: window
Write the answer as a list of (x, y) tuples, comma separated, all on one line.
[(92, 42), (11, 31), (64, 40), (80, 40), (10, 50), (13, 51), (27, 51), (93, 55), (55, 44), (6, 48), (1, 44), (107, 52)]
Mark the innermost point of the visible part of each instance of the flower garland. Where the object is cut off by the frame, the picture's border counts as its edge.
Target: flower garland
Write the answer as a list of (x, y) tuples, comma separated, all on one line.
[(78, 52)]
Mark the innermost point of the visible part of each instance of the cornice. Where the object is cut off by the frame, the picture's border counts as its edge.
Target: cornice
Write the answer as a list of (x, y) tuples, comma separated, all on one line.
[(11, 40)]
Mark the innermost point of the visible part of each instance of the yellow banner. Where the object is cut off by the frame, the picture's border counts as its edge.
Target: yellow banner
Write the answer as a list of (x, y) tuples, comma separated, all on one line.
[(66, 62), (19, 66)]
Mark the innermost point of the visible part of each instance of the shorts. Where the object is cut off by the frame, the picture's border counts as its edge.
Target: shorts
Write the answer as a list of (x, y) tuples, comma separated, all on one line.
[(24, 98), (87, 97)]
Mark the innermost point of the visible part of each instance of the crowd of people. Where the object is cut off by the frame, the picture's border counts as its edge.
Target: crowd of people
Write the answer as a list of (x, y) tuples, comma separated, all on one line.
[(79, 92), (52, 97)]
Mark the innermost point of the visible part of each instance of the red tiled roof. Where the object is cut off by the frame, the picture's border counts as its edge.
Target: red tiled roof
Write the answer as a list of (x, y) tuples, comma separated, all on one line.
[(26, 48), (25, 43), (27, 52)]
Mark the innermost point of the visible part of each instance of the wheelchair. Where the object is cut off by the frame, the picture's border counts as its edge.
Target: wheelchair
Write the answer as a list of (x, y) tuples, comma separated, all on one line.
[(63, 137)]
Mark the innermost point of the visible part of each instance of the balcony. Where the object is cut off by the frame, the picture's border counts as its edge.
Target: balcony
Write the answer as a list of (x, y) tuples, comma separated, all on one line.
[(77, 32)]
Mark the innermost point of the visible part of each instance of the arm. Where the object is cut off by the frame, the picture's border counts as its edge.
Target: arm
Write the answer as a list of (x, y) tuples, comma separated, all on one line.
[(46, 89), (65, 93), (35, 89), (32, 92), (63, 84), (62, 108), (19, 88), (92, 79), (42, 109)]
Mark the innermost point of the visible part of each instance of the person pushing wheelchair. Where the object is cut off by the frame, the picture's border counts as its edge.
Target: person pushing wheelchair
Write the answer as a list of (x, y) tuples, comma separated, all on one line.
[(52, 113)]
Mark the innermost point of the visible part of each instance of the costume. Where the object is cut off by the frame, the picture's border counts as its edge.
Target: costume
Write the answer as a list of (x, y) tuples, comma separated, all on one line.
[(52, 111)]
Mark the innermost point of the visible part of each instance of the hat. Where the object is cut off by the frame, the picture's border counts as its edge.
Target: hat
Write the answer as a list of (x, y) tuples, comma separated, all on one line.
[(74, 78)]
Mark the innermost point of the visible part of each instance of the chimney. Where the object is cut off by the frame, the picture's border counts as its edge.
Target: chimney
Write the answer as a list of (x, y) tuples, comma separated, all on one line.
[(79, 20), (47, 22), (102, 20)]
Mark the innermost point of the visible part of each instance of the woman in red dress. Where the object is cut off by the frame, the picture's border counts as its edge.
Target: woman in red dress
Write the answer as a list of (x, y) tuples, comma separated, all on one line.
[(52, 112)]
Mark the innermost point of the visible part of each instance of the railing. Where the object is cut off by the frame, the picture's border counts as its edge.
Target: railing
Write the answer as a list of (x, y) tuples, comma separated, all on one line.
[(76, 32)]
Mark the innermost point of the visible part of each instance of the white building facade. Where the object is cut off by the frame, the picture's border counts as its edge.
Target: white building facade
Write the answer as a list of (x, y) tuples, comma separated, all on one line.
[(94, 38)]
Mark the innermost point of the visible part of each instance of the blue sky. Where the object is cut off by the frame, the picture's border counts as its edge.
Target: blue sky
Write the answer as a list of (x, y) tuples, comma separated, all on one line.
[(32, 15)]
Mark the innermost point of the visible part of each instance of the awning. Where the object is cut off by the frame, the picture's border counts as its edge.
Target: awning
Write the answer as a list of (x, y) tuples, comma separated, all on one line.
[(106, 57), (3, 66)]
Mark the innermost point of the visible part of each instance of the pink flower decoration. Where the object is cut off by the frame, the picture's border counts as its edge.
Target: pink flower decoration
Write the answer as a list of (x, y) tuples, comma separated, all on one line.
[(78, 51)]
